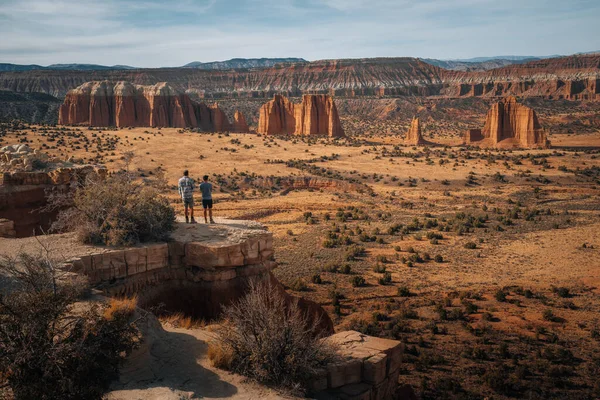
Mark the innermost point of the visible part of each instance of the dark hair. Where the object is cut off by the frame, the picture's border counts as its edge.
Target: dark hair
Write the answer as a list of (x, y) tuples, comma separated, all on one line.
[(186, 172), (205, 177)]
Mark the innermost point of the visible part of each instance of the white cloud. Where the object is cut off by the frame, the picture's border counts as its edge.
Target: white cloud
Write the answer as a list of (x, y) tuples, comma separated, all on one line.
[(175, 33)]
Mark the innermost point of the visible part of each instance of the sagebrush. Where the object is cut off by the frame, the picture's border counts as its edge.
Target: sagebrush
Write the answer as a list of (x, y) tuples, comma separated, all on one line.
[(51, 345), (270, 340), (117, 211)]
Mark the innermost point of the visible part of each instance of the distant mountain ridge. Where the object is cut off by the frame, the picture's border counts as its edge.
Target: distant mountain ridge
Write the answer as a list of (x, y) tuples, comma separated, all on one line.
[(62, 67), (244, 63)]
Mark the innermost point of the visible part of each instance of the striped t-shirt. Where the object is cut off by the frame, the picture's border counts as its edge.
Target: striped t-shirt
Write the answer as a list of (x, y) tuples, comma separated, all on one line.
[(186, 188)]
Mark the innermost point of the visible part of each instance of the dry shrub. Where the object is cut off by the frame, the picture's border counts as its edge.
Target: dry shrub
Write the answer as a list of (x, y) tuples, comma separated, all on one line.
[(117, 211), (269, 340), (180, 320), (48, 350), (118, 307)]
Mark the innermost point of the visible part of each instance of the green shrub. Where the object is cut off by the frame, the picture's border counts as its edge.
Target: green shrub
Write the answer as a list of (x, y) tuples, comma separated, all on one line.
[(357, 281)]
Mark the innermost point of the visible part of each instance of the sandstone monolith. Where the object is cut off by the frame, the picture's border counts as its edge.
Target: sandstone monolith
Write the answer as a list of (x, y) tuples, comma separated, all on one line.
[(239, 124), (316, 115), (124, 104), (413, 136), (509, 124), (277, 117)]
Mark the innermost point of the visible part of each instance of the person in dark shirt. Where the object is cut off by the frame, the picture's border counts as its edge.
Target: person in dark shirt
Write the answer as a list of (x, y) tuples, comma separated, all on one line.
[(207, 201), (186, 191)]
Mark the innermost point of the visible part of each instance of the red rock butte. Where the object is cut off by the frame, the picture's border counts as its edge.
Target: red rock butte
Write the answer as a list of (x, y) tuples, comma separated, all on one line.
[(509, 124), (413, 136), (316, 115), (124, 104)]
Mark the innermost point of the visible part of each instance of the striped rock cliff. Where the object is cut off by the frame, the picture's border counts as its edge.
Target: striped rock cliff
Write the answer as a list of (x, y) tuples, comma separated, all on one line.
[(572, 78)]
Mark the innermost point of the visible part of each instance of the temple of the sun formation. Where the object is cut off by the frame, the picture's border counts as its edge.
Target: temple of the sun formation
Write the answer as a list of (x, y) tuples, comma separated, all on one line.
[(124, 104), (316, 115), (413, 136), (509, 124)]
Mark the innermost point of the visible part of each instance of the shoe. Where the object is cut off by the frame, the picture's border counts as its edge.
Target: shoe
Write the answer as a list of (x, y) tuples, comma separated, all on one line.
[(193, 221), (187, 220), (212, 221)]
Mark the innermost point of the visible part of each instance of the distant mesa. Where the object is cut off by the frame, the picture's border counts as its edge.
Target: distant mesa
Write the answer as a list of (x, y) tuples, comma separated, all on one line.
[(316, 115), (413, 136), (124, 104), (509, 124)]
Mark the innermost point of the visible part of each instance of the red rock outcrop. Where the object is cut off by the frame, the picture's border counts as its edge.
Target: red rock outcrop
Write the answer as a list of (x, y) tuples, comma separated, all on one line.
[(124, 104), (239, 123), (509, 124), (413, 136), (316, 115), (277, 117)]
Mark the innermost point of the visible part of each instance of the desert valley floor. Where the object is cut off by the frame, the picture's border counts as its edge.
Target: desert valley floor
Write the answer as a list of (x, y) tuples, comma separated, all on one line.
[(485, 263)]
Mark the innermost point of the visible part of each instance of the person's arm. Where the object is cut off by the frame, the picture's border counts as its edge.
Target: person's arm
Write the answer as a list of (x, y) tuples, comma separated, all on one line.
[(179, 189)]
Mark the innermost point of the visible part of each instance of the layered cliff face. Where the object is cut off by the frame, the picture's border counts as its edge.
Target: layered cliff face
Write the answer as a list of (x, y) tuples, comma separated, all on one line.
[(316, 115), (509, 124), (573, 77), (124, 104), (413, 136)]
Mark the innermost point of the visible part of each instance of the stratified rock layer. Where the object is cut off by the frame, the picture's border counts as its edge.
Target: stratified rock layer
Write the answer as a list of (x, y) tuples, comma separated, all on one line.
[(316, 115), (509, 124), (413, 136), (202, 269), (124, 104), (23, 196)]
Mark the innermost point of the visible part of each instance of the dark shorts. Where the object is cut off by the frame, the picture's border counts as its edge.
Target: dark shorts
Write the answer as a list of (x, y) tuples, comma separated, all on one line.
[(207, 203), (188, 203)]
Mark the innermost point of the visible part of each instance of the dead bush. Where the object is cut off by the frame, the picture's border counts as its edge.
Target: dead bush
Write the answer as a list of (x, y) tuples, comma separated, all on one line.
[(117, 211), (269, 340), (52, 347)]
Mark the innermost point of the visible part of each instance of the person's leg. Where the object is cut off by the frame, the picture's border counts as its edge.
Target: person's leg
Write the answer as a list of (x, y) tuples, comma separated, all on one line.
[(192, 213), (205, 206), (210, 207), (186, 205)]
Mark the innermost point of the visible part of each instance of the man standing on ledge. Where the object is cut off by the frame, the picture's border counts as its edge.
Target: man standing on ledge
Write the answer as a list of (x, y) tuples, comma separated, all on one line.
[(207, 202), (186, 191)]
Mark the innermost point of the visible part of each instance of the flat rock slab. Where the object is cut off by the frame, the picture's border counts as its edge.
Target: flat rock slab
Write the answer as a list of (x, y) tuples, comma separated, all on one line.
[(223, 232)]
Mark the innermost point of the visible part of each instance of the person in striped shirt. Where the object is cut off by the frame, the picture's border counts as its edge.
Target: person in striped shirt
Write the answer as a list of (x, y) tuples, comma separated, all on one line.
[(186, 191)]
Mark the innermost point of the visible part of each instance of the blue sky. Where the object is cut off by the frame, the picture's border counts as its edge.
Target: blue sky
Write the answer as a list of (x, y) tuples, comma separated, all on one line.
[(152, 33)]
